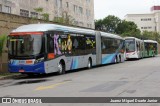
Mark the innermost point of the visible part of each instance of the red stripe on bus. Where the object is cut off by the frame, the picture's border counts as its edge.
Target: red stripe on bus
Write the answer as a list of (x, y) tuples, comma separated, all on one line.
[(27, 33), (130, 52)]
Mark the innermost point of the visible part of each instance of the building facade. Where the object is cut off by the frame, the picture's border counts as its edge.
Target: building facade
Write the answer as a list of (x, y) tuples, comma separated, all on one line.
[(80, 12), (5, 6), (146, 22)]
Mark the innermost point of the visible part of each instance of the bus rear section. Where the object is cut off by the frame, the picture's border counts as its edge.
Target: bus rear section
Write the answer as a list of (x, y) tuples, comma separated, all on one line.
[(151, 48), (112, 48), (134, 48)]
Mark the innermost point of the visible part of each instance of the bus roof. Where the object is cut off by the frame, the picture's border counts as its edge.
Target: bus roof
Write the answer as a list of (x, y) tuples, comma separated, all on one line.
[(110, 35), (54, 27), (133, 38), (51, 27), (150, 41)]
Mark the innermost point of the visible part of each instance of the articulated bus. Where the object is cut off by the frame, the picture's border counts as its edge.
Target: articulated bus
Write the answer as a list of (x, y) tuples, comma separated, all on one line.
[(150, 48), (134, 48), (48, 48)]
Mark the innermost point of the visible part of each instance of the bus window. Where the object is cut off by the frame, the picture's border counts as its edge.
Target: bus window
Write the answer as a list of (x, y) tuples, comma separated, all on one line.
[(130, 45), (90, 44), (104, 45), (79, 44), (26, 45), (137, 43), (108, 45)]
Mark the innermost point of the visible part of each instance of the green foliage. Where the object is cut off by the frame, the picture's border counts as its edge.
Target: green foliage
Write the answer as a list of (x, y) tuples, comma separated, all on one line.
[(65, 19), (113, 24), (151, 35), (39, 9), (3, 38), (43, 16), (58, 19), (108, 24), (127, 28), (99, 25)]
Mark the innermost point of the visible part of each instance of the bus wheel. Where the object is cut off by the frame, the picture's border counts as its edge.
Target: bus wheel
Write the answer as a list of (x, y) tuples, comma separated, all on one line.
[(89, 63), (153, 54), (61, 68), (115, 60), (120, 59)]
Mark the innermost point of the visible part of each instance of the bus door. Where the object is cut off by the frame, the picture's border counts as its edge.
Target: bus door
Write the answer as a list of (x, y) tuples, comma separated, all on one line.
[(49, 51), (138, 48)]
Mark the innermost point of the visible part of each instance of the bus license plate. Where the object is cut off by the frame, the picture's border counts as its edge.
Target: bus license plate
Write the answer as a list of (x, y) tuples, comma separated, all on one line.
[(21, 71)]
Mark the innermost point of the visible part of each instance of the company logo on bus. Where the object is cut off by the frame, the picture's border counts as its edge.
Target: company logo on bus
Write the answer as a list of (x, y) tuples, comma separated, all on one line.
[(22, 62)]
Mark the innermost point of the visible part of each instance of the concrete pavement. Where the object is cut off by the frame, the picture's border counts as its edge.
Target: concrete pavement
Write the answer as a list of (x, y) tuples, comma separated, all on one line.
[(138, 78)]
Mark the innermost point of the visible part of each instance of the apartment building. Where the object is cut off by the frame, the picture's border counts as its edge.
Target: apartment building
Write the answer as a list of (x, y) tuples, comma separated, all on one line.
[(5, 6), (148, 22), (81, 12)]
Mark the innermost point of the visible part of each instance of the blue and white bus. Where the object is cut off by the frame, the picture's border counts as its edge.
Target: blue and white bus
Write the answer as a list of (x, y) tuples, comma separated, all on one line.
[(48, 48)]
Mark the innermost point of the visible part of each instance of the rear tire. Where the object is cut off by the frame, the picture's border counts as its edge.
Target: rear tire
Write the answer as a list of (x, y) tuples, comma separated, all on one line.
[(61, 68), (120, 60), (153, 54), (89, 65), (115, 60)]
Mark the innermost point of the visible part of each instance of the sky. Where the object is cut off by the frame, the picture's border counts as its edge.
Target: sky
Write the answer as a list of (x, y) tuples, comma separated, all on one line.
[(120, 8)]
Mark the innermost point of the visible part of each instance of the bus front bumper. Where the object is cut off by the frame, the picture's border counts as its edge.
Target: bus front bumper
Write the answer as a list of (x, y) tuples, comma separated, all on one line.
[(35, 68), (131, 55)]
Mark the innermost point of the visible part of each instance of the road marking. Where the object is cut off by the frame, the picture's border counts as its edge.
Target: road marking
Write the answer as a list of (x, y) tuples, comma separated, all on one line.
[(50, 86)]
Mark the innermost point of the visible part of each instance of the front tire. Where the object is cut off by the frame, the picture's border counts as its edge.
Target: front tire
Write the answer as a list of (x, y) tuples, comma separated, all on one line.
[(61, 68)]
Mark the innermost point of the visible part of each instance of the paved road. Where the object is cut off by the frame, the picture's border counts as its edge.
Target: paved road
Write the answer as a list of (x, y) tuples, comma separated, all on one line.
[(138, 78)]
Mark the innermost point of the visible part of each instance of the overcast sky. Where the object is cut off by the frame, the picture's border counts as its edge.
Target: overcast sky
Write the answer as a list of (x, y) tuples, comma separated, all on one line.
[(120, 8)]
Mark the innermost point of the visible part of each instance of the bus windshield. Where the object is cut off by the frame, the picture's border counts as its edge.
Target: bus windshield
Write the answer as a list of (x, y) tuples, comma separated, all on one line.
[(130, 45), (25, 45)]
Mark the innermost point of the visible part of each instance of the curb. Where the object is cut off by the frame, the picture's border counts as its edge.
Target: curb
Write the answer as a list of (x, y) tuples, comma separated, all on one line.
[(9, 76)]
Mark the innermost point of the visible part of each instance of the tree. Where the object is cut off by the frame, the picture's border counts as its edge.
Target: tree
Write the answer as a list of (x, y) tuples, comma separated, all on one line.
[(64, 19), (39, 9), (113, 24), (3, 38), (108, 24), (43, 16), (99, 25), (2, 41), (127, 28), (151, 35)]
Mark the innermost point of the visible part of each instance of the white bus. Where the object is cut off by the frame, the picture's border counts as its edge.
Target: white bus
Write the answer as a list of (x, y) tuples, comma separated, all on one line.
[(48, 48), (134, 48)]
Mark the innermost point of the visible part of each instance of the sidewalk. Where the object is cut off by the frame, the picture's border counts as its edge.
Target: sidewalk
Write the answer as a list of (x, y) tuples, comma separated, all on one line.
[(8, 75)]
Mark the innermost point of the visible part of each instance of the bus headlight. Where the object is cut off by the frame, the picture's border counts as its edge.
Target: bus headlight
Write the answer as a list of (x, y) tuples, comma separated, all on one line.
[(38, 60)]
